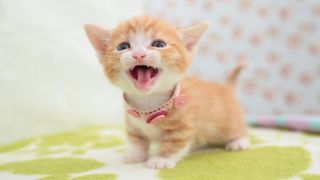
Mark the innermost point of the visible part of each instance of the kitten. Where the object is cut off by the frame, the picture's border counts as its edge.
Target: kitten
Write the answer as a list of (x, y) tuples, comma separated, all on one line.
[(148, 59)]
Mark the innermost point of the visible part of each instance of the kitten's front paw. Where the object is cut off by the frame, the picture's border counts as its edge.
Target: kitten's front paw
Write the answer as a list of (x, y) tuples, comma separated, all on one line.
[(131, 158), (161, 163), (242, 143)]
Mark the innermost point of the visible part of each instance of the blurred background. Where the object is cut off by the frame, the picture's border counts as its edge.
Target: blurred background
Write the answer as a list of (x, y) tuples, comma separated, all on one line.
[(50, 79)]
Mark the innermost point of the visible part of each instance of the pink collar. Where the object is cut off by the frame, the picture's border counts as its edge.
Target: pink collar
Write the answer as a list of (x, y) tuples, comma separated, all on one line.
[(177, 101)]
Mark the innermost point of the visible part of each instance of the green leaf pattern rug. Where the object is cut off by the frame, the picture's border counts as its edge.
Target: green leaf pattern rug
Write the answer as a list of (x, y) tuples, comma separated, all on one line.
[(96, 153)]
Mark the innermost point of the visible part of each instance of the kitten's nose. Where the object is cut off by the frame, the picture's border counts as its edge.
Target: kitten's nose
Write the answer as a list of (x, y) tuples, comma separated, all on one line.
[(139, 55)]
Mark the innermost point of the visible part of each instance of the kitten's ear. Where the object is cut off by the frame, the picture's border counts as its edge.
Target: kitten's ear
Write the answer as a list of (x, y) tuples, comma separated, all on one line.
[(99, 38), (192, 35)]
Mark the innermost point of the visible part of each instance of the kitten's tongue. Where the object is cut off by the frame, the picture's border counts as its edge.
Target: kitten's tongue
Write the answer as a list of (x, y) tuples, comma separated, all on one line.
[(144, 75)]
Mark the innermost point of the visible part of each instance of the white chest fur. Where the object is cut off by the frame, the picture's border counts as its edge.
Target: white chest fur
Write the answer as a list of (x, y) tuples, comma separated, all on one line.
[(150, 131)]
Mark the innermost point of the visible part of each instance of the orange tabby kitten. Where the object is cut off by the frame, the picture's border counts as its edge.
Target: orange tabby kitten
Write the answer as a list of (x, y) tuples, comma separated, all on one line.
[(148, 58)]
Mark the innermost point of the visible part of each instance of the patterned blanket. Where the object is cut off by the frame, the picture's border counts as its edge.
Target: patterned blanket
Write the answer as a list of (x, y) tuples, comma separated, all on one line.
[(96, 152)]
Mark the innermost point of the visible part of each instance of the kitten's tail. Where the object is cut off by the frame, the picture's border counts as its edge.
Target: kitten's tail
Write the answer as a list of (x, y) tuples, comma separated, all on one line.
[(233, 76)]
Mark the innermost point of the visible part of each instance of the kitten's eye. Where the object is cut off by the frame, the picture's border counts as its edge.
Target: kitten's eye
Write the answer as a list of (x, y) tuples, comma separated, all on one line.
[(123, 46), (158, 43)]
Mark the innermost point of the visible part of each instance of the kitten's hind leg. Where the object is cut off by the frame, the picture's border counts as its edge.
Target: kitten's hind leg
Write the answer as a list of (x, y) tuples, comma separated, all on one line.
[(239, 144)]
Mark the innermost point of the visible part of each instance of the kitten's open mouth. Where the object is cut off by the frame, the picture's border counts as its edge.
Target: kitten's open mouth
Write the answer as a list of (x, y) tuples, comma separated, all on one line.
[(143, 76)]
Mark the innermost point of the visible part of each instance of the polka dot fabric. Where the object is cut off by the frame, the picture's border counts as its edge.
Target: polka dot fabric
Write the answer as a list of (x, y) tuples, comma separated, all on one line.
[(279, 39)]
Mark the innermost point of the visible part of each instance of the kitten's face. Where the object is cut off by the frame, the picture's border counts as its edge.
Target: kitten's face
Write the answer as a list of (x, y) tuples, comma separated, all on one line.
[(144, 55)]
